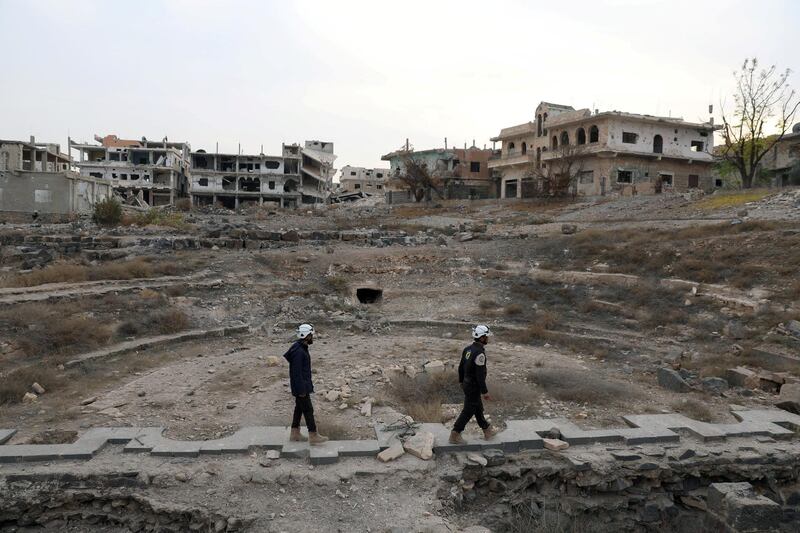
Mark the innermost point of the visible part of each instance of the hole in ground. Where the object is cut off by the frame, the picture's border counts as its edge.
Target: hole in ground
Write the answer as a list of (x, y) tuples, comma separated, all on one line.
[(368, 295)]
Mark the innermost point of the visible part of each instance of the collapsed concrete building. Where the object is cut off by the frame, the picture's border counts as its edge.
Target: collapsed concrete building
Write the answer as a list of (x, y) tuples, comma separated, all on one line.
[(360, 182), (463, 173), (147, 173), (613, 151), (36, 177), (300, 175)]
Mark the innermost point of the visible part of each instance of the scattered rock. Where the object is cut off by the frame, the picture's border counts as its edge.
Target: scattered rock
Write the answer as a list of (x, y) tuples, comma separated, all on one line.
[(420, 445), (625, 456), (89, 400), (434, 367), (789, 399), (569, 229), (332, 395), (29, 397), (366, 409), (231, 404), (38, 389), (391, 453), (555, 444), (672, 380), (273, 360), (494, 457), (477, 459), (715, 385)]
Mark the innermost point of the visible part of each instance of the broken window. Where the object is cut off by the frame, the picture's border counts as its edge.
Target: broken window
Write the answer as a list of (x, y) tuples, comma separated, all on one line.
[(624, 176), (379, 175), (594, 134), (511, 147), (539, 125), (228, 183), (114, 156), (96, 174), (658, 144), (352, 172), (380, 187), (564, 138), (250, 185), (203, 182), (666, 179), (134, 176), (586, 176), (554, 142), (697, 146), (358, 186), (290, 186), (271, 185), (580, 136), (272, 165), (694, 181), (475, 166), (717, 182), (629, 137)]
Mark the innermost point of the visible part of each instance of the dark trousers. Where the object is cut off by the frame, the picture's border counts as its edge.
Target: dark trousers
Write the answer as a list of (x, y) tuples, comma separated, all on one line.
[(473, 406), (303, 408)]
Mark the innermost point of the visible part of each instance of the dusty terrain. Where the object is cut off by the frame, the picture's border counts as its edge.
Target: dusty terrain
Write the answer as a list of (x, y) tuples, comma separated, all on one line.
[(571, 340)]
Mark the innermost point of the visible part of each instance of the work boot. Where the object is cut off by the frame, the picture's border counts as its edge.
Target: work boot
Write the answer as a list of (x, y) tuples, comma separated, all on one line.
[(296, 436), (489, 432), (455, 438), (315, 438)]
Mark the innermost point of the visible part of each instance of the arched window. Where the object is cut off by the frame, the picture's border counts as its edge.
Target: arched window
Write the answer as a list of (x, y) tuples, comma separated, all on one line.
[(524, 148), (580, 135), (539, 125), (538, 155), (658, 145), (594, 134), (564, 138), (554, 144), (511, 147)]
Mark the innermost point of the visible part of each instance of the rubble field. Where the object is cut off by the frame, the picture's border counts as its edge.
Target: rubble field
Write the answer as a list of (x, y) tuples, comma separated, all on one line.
[(600, 309)]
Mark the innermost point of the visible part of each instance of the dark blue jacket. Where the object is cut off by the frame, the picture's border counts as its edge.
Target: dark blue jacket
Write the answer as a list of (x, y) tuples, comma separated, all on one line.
[(299, 369)]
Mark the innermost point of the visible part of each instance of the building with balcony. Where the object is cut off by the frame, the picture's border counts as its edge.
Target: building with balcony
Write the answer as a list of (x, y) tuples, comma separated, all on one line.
[(155, 173), (614, 151), (36, 177)]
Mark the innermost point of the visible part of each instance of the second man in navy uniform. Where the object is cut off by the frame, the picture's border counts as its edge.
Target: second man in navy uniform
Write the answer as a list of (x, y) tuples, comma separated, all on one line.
[(472, 376)]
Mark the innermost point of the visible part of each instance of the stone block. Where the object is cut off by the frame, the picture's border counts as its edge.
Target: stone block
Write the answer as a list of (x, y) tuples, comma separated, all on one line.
[(420, 445), (556, 445), (741, 377), (789, 398), (740, 508), (324, 454), (672, 380), (392, 452)]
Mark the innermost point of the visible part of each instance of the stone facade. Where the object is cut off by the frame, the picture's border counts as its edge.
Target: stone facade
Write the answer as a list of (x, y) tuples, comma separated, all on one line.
[(615, 152)]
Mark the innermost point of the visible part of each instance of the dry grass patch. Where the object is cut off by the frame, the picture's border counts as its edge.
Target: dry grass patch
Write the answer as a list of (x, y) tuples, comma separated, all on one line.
[(421, 397), (162, 322), (581, 386), (15, 384), (63, 272), (694, 409), (335, 430), (731, 199)]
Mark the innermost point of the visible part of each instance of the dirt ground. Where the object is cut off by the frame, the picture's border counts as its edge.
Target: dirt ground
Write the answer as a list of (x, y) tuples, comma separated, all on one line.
[(588, 351)]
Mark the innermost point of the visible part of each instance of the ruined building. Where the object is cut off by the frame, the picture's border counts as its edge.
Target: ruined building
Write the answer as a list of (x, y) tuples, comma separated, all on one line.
[(360, 182), (300, 175), (36, 177), (463, 173), (783, 161), (612, 151), (152, 173)]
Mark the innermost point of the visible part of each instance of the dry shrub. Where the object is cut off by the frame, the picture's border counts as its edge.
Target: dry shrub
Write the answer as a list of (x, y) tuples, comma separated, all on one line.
[(513, 310), (183, 204), (339, 284), (162, 322), (486, 304), (422, 411), (177, 290), (149, 294), (15, 384), (58, 272), (532, 333), (581, 386), (694, 409), (421, 397), (54, 436)]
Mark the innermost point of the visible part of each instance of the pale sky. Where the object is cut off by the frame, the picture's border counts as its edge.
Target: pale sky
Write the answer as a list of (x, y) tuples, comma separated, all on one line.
[(366, 75)]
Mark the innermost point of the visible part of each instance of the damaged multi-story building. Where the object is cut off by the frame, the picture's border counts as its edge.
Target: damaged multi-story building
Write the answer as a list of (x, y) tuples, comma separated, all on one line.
[(464, 173), (143, 172), (782, 163), (300, 175), (37, 178), (360, 182), (610, 151)]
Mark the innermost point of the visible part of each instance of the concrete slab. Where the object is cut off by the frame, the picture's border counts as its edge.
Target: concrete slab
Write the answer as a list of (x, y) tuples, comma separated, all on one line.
[(296, 450), (675, 422), (357, 448), (324, 454), (6, 434)]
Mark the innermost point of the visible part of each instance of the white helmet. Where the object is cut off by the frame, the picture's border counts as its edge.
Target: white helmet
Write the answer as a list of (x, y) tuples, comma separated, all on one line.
[(304, 330), (481, 330)]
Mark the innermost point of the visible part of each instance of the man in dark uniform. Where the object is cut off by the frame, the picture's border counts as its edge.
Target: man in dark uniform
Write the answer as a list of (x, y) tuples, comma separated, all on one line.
[(472, 376), (302, 386)]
